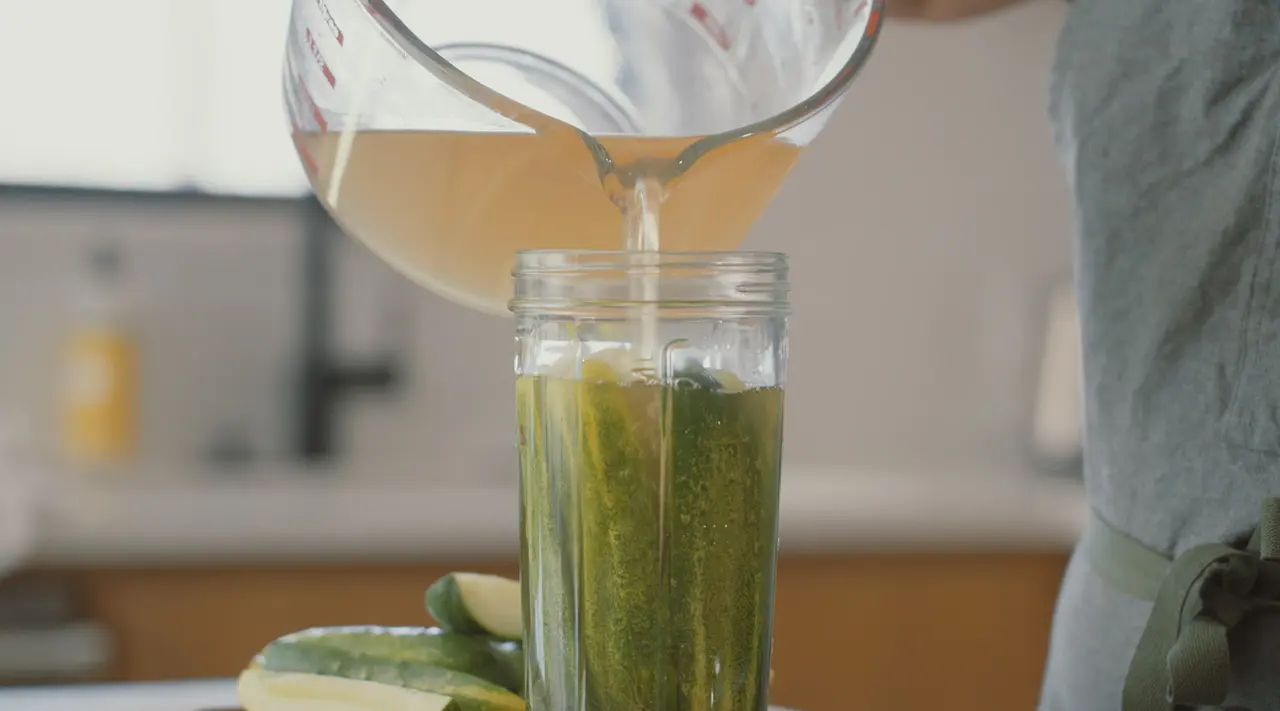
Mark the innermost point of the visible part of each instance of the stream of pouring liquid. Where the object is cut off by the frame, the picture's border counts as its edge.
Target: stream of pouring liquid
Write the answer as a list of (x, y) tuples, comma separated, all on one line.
[(641, 224), (451, 208)]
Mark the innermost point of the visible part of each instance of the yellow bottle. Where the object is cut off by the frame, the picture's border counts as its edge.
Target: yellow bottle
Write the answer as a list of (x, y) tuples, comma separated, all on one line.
[(100, 378)]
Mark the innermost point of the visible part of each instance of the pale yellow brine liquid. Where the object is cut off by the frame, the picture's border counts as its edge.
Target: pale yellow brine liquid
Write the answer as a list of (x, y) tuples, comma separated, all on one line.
[(451, 209)]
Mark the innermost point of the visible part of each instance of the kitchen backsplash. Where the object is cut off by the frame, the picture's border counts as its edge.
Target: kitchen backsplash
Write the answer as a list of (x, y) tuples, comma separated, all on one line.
[(217, 296), (216, 310), (923, 251)]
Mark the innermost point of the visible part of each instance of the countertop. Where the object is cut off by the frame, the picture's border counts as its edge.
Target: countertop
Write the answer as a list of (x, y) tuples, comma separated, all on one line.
[(197, 695), (332, 520)]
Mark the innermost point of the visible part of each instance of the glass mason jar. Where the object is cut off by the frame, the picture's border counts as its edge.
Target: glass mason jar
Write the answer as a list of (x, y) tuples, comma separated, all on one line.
[(650, 393)]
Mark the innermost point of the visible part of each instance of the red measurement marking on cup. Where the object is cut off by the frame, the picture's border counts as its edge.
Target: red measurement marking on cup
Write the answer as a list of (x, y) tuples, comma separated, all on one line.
[(311, 103), (873, 21), (328, 20), (324, 66), (711, 24)]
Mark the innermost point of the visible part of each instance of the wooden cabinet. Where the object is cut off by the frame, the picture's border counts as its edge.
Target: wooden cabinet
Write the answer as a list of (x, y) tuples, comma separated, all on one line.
[(908, 631), (954, 632)]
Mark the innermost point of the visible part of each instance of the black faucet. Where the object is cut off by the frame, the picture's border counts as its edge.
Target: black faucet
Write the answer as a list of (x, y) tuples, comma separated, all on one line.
[(324, 381)]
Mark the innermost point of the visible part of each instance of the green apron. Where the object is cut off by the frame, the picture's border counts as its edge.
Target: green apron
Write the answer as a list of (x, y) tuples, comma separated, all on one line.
[(1166, 116), (1183, 660)]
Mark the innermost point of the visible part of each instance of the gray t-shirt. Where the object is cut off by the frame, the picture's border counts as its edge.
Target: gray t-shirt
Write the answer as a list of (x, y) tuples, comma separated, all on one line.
[(1167, 114)]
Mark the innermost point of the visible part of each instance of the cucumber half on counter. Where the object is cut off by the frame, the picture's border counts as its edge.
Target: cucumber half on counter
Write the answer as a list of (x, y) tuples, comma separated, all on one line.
[(261, 690), (472, 603), (469, 673), (330, 650)]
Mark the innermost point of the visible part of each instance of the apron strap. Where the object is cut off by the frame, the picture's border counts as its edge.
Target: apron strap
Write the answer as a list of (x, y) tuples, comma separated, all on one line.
[(1183, 659)]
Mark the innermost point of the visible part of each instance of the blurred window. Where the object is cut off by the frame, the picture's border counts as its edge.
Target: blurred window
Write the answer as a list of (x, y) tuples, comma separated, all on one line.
[(146, 94)]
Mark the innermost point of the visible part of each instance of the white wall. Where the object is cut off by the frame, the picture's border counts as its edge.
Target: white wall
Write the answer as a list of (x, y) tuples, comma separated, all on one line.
[(926, 226)]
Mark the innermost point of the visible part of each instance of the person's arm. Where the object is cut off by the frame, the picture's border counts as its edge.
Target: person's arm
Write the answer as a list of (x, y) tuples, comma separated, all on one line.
[(943, 10)]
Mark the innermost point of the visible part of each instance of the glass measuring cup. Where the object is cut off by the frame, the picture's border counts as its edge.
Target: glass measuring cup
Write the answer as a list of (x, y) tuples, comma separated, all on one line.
[(449, 135)]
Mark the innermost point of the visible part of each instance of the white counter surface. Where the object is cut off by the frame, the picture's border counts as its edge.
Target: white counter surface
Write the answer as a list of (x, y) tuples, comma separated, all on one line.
[(199, 695), (264, 520), (195, 695)]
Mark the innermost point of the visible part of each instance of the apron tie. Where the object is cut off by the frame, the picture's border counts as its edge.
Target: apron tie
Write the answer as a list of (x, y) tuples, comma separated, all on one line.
[(1182, 659)]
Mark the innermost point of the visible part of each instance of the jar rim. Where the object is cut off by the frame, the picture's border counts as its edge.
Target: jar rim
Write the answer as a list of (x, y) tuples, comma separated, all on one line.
[(685, 283), (550, 261)]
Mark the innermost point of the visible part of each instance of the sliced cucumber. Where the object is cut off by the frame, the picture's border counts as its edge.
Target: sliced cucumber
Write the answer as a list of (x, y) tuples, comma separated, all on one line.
[(325, 650), (470, 693), (473, 603), (729, 382), (260, 690), (509, 657)]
